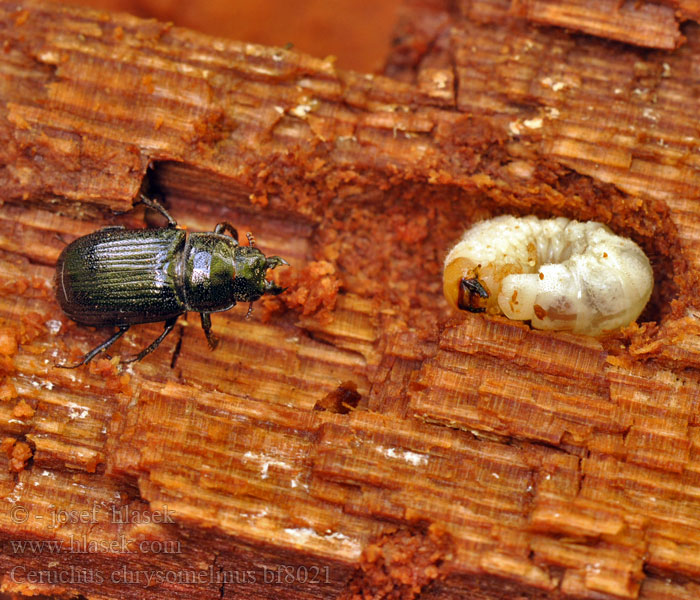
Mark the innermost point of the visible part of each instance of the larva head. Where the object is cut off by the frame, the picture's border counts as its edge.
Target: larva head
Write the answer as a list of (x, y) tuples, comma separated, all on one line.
[(472, 296), (463, 286), (455, 271), (471, 286)]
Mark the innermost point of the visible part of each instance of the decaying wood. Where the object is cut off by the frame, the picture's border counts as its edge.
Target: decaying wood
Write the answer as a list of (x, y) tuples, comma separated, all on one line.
[(641, 23), (355, 438), (648, 24)]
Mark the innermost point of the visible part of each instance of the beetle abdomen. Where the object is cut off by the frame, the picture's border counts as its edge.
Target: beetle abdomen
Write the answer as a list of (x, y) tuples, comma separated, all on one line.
[(121, 277)]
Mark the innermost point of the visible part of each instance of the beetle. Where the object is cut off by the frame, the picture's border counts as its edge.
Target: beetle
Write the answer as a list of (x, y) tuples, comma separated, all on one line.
[(123, 277)]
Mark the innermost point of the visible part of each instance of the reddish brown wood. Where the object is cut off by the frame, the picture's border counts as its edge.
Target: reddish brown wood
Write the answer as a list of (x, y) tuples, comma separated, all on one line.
[(354, 429), (641, 23)]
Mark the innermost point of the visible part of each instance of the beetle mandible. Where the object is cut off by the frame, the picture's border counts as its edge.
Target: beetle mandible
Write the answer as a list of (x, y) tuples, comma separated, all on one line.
[(123, 277)]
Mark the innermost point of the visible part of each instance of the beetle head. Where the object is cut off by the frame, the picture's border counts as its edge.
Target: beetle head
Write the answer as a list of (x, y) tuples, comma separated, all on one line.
[(251, 270)]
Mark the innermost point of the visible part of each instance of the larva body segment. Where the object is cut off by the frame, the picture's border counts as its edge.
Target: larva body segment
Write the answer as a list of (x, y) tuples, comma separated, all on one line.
[(556, 273)]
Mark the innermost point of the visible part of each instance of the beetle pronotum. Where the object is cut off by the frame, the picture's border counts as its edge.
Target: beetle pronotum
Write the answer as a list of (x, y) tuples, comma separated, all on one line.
[(556, 273)]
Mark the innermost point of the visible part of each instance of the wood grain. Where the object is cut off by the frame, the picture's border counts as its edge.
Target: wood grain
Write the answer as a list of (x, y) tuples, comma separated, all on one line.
[(354, 429), (644, 24)]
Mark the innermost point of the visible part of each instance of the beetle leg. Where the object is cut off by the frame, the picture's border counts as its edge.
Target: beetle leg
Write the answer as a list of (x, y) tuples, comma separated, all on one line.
[(169, 325), (95, 351), (176, 352), (206, 325), (111, 227), (155, 205), (226, 226)]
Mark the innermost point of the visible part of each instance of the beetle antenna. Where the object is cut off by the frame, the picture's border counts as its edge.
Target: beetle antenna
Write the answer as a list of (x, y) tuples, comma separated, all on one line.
[(251, 239), (157, 206), (250, 311)]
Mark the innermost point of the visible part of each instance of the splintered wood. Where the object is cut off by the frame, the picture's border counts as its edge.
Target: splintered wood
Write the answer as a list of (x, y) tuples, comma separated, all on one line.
[(641, 23), (355, 438)]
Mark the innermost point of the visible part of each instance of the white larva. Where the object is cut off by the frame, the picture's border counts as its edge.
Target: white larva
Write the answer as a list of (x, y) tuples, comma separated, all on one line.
[(556, 273)]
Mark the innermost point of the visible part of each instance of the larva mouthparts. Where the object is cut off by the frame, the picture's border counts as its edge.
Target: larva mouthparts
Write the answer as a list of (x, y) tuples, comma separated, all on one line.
[(556, 273)]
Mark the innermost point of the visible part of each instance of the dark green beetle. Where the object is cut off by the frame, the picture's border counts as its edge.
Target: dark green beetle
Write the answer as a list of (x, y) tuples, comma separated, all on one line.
[(123, 277)]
